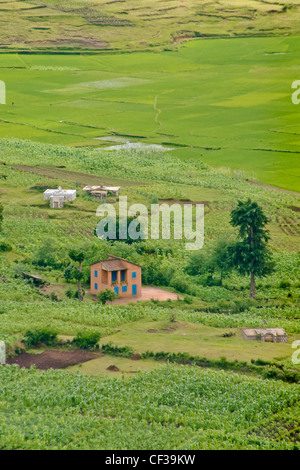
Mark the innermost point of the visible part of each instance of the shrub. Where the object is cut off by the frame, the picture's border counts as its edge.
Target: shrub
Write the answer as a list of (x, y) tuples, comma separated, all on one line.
[(48, 256), (87, 340), (37, 336), (70, 294), (181, 285), (284, 284), (187, 299), (106, 295), (123, 351), (270, 373), (241, 305), (4, 247)]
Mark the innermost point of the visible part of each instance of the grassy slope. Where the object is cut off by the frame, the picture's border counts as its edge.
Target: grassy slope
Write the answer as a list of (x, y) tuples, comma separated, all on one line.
[(130, 25)]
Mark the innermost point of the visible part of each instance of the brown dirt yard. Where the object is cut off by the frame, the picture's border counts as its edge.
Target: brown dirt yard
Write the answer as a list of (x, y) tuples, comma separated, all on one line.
[(52, 359), (149, 293)]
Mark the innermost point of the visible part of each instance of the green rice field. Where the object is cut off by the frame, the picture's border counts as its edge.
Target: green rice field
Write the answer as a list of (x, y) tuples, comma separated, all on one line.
[(224, 102)]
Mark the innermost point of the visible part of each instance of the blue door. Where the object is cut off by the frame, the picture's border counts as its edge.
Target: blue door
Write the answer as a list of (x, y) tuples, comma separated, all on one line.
[(116, 289), (134, 289)]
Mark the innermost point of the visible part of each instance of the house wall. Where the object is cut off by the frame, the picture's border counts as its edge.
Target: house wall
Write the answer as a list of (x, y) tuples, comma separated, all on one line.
[(130, 281)]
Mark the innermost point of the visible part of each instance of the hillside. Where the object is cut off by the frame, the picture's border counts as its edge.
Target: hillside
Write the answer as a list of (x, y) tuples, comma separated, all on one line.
[(178, 104), (126, 25)]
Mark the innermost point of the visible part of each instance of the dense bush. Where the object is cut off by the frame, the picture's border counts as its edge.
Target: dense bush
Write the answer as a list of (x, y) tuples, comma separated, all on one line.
[(106, 295), (48, 256), (5, 247), (87, 340), (112, 350), (157, 272), (284, 284), (39, 336)]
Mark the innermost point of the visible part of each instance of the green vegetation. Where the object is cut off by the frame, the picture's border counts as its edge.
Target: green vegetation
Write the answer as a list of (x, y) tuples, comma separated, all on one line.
[(176, 103), (87, 340), (39, 336), (78, 257), (242, 118), (180, 407), (106, 295), (251, 255)]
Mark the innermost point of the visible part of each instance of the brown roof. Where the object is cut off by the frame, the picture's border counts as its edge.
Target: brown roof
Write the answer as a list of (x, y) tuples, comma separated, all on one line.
[(114, 263)]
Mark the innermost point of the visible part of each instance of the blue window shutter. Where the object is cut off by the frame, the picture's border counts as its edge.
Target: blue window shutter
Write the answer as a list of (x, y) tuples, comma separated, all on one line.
[(116, 289), (96, 286), (133, 274), (124, 288), (114, 276), (123, 276), (96, 273)]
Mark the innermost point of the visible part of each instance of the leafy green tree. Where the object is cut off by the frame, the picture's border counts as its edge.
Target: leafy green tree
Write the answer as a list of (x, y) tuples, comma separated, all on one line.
[(128, 240), (48, 255), (251, 255), (107, 295), (220, 259), (215, 259), (78, 256)]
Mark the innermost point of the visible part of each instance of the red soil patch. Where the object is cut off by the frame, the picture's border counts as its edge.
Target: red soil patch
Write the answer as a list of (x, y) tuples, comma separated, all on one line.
[(53, 359), (149, 293)]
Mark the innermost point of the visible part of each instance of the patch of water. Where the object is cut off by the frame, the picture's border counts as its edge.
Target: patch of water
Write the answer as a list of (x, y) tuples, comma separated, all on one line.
[(139, 146), (114, 139), (275, 53)]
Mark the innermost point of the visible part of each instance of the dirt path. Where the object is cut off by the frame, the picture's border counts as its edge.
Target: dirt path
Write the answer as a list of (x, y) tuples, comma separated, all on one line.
[(74, 176), (273, 187)]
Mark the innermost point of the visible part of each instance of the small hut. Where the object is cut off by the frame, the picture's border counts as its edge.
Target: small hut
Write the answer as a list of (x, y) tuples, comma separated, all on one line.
[(57, 197), (99, 195), (57, 202), (110, 190), (268, 335)]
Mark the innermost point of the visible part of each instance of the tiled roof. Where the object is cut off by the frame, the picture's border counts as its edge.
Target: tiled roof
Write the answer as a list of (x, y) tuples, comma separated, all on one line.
[(113, 264)]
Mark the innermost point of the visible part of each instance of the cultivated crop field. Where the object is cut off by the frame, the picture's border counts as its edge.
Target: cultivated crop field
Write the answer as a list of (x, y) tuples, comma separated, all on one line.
[(171, 408), (224, 102), (129, 26), (177, 103)]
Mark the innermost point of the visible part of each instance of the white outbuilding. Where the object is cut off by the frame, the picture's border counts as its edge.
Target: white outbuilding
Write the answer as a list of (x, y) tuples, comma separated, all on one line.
[(57, 197)]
